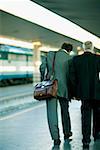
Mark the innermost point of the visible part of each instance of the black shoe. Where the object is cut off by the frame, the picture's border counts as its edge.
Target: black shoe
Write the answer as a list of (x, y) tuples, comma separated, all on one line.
[(57, 142), (85, 146), (97, 136), (68, 135), (67, 140)]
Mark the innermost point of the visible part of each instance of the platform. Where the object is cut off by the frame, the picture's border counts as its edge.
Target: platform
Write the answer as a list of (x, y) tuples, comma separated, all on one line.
[(28, 130)]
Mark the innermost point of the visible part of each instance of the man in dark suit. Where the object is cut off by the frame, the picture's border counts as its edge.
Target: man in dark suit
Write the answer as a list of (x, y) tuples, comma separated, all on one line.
[(96, 112), (84, 79)]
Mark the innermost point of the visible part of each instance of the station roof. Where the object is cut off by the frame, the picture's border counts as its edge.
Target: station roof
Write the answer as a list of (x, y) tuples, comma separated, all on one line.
[(85, 13)]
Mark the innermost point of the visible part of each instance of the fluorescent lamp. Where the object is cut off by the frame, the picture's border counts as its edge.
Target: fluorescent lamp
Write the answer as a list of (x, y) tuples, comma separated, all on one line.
[(19, 43), (48, 48), (14, 42), (37, 14), (37, 43)]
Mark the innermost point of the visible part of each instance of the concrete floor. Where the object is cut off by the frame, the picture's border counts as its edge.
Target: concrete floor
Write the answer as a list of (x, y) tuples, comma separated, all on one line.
[(28, 130)]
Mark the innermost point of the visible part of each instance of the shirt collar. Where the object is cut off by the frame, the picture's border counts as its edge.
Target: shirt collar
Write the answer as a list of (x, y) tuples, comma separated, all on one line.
[(65, 51), (88, 50)]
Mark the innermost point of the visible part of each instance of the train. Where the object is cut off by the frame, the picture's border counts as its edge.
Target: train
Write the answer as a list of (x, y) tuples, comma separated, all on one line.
[(16, 65)]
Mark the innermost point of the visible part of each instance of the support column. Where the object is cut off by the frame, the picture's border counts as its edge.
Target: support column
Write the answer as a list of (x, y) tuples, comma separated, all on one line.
[(36, 62)]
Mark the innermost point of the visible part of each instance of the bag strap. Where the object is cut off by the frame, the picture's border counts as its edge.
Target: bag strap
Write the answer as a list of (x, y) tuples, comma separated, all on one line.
[(53, 64)]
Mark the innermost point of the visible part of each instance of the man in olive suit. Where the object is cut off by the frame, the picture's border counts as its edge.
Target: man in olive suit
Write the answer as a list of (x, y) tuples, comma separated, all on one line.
[(84, 76), (61, 71)]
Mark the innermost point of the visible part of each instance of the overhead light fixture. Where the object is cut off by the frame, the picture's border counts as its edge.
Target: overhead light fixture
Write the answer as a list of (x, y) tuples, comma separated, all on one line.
[(15, 42), (25, 44), (37, 14), (37, 43), (47, 48)]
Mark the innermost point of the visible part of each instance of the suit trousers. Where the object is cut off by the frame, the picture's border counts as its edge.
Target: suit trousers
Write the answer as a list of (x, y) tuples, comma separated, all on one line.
[(86, 120), (96, 118), (87, 107), (52, 116)]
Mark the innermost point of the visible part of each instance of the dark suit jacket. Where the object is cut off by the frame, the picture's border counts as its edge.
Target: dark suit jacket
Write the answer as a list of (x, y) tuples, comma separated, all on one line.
[(84, 76)]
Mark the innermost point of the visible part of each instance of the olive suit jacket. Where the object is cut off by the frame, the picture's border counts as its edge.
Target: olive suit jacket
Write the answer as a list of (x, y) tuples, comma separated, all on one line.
[(61, 70)]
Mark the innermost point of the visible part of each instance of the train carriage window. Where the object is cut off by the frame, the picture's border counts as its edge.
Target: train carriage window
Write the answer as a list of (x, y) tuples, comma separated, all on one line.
[(3, 55), (21, 57), (30, 58), (17, 57), (11, 57)]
